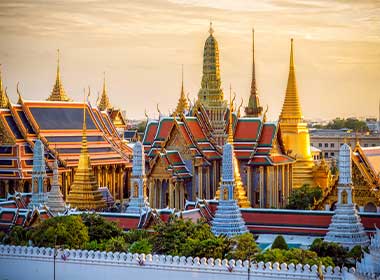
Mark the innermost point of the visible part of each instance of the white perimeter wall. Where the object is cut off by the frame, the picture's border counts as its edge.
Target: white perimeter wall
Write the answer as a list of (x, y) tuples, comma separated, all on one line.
[(31, 263)]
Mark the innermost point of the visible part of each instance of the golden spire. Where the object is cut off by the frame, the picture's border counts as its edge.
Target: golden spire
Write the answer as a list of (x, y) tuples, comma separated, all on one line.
[(3, 94), (230, 138), (253, 109), (84, 193), (104, 103), (182, 105), (291, 108), (58, 93)]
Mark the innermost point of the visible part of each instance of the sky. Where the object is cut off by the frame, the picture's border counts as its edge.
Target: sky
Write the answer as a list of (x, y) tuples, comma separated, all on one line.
[(141, 45)]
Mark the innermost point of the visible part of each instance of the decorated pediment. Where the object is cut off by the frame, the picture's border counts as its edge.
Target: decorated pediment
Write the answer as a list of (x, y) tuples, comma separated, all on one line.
[(178, 143)]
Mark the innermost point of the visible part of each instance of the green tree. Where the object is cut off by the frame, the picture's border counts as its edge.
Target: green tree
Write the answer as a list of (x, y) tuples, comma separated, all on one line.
[(279, 243), (17, 236), (171, 238), (350, 123), (243, 247), (99, 228), (295, 256), (65, 231), (141, 126), (142, 246), (134, 235), (338, 253), (115, 244), (303, 198)]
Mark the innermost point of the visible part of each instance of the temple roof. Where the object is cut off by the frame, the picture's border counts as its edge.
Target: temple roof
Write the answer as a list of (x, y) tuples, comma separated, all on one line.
[(59, 126), (252, 138), (291, 108)]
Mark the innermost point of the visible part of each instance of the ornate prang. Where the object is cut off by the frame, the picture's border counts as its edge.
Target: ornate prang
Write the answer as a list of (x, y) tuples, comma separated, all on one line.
[(228, 219), (39, 195), (346, 227), (210, 95), (138, 201), (55, 200)]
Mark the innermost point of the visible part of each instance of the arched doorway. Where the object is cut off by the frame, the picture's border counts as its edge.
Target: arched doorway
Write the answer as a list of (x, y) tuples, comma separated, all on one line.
[(370, 207)]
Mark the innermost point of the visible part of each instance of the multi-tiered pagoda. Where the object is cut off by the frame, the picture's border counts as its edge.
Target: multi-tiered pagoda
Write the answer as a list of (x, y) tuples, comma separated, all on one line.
[(346, 228), (228, 219)]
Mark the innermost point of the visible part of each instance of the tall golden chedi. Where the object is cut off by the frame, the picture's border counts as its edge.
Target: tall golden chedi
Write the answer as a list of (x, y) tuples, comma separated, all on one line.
[(294, 131), (58, 93), (84, 193), (211, 95)]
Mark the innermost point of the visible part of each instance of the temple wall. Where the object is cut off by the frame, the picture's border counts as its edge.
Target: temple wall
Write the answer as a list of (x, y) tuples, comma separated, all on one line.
[(38, 263)]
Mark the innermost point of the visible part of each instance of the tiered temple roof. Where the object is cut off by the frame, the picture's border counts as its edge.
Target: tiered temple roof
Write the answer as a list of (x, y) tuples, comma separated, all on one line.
[(59, 126), (253, 139)]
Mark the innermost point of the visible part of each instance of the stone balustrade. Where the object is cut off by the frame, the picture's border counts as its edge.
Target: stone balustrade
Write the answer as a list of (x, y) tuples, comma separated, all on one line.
[(36, 262)]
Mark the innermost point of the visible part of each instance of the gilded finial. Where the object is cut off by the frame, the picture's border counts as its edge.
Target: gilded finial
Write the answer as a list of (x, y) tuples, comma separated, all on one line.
[(230, 138), (158, 110), (20, 100), (265, 114), (239, 108), (211, 30), (291, 54), (146, 115)]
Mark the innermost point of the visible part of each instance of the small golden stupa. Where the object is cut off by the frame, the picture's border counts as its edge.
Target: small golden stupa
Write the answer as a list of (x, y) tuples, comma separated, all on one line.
[(240, 195), (84, 193)]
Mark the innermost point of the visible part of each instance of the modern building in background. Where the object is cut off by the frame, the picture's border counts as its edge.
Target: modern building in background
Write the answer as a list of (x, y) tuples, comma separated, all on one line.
[(329, 141)]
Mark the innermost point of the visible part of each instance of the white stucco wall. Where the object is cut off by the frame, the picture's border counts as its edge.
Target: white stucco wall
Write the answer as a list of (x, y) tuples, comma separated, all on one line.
[(34, 263)]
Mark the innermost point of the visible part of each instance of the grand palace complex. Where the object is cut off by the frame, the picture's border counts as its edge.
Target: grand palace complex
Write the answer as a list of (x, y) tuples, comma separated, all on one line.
[(183, 151)]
